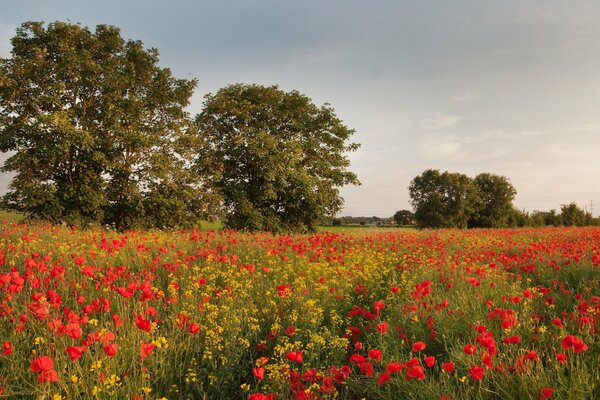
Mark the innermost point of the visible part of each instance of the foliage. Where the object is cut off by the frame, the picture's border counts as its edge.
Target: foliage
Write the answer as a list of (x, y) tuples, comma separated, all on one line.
[(494, 314), (443, 200), (98, 129), (404, 217), (496, 194), (275, 157), (572, 215)]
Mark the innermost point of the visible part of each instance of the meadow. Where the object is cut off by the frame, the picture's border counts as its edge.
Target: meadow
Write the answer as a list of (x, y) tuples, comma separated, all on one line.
[(377, 314)]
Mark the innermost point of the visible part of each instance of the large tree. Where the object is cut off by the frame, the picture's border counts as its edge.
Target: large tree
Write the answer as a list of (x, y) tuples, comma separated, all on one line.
[(496, 194), (443, 200), (96, 127), (276, 158)]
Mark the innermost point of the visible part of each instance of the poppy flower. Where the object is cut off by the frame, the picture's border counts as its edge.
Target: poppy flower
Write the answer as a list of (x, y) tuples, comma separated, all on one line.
[(43, 363), (295, 356), (430, 361), (194, 328), (476, 372), (48, 376), (546, 393), (375, 354), (470, 349), (146, 349), (259, 373), (7, 348), (418, 346), (417, 372), (75, 352), (111, 349), (383, 378), (448, 367), (394, 367)]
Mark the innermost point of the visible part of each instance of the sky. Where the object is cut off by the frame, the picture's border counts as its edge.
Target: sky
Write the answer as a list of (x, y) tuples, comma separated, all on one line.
[(507, 87)]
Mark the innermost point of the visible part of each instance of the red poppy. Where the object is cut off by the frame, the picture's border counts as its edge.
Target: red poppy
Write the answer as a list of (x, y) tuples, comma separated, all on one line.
[(418, 346), (470, 349), (7, 346), (75, 352), (375, 354), (111, 349), (259, 373), (476, 372), (48, 376), (417, 372), (383, 378), (146, 349), (295, 356), (194, 328), (43, 363), (430, 361), (546, 393), (382, 327), (448, 367), (394, 367)]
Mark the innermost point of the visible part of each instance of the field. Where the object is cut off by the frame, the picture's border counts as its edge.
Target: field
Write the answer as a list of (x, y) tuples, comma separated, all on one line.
[(389, 314)]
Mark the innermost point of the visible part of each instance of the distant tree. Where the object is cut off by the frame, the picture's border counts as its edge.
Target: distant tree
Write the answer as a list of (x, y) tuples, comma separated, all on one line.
[(404, 217), (551, 218), (536, 219), (97, 129), (443, 200), (337, 222), (517, 218), (277, 159), (572, 215), (496, 194)]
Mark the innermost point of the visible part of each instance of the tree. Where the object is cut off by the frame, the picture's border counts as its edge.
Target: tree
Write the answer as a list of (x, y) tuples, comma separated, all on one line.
[(275, 157), (572, 215), (496, 194), (404, 217), (443, 200), (97, 128)]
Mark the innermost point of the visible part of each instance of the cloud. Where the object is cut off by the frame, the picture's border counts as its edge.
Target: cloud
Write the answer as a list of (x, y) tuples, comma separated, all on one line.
[(441, 148), (441, 122), (465, 97), (7, 31)]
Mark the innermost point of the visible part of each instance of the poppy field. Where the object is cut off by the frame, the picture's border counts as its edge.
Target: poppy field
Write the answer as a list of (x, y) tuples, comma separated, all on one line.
[(448, 314)]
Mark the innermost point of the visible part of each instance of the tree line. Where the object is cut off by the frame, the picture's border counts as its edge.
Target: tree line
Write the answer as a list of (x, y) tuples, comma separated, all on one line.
[(454, 200), (98, 133)]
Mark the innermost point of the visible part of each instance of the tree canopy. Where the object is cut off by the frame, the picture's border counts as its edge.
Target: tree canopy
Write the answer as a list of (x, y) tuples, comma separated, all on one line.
[(97, 130), (496, 195), (443, 200), (276, 158)]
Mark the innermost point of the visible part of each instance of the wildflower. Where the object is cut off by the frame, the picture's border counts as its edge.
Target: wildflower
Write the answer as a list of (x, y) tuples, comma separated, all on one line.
[(546, 393), (194, 328), (418, 346), (382, 327), (111, 349), (75, 352), (7, 346), (448, 367), (375, 354), (146, 349), (295, 356), (259, 373), (383, 378), (470, 349), (417, 372), (43, 363), (430, 361), (476, 372)]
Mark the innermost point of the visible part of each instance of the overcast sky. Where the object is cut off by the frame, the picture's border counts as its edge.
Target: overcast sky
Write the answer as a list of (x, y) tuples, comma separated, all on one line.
[(508, 87)]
